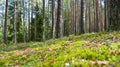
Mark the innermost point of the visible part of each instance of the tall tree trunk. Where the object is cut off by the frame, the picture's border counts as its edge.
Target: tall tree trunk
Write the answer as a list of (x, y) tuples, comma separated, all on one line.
[(53, 18), (61, 20), (67, 18), (77, 16), (60, 17), (35, 28), (44, 20), (5, 24), (35, 23), (97, 16), (108, 13), (90, 16), (86, 16), (15, 20), (106, 3), (74, 20), (101, 17), (24, 27), (72, 15), (94, 14), (49, 20), (82, 17), (29, 23)]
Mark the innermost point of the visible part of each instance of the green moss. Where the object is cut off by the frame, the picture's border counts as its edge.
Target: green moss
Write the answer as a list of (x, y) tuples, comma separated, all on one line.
[(76, 51)]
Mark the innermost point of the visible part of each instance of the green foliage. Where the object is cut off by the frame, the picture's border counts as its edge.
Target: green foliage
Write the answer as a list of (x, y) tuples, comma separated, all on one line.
[(1, 37), (39, 22), (118, 45), (71, 37), (108, 43), (11, 25)]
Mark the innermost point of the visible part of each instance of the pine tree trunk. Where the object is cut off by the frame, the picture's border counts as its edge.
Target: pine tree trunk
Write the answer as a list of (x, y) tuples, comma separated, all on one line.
[(24, 27), (107, 14), (53, 19), (60, 20), (71, 17), (82, 17), (5, 24), (35, 28), (44, 20), (97, 16), (29, 23), (15, 21), (90, 16)]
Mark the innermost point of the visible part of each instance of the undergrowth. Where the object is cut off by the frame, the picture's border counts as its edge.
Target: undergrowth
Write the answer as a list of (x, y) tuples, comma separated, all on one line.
[(86, 50)]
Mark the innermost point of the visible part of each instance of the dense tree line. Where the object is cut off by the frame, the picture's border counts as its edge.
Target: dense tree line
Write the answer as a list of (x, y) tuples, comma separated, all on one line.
[(40, 20)]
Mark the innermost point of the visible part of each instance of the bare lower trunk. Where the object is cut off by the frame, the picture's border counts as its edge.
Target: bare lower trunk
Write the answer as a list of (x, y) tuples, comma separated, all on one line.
[(82, 17), (43, 20), (5, 24), (29, 25), (60, 17), (97, 16), (15, 21), (90, 16), (53, 18), (24, 28)]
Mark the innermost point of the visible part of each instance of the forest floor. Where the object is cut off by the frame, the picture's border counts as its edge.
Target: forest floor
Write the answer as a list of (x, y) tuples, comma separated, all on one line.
[(86, 50)]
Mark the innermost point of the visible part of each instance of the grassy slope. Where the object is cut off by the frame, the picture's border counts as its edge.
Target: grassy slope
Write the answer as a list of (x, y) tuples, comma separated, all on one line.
[(87, 50)]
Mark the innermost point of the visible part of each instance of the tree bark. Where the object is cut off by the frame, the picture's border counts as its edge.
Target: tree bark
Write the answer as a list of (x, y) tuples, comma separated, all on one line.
[(53, 19), (82, 17), (15, 21), (90, 16), (29, 23), (24, 27), (44, 20), (97, 16), (5, 24), (60, 19), (107, 11)]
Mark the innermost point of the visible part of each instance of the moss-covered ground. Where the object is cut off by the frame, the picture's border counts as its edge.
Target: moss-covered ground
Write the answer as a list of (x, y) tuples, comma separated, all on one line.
[(86, 50)]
